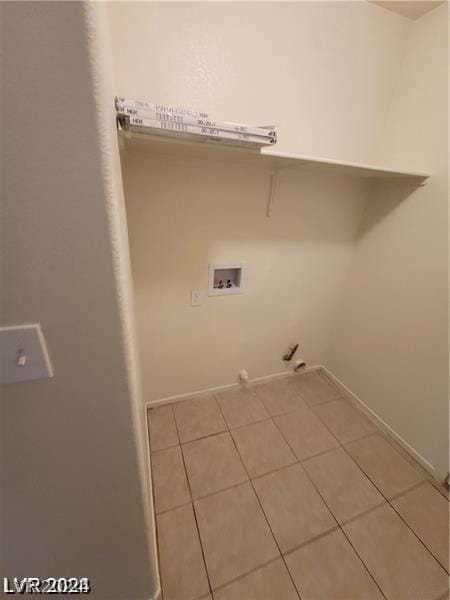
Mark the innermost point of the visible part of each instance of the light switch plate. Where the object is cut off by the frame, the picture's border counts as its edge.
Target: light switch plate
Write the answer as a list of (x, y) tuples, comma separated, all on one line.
[(196, 298), (23, 354)]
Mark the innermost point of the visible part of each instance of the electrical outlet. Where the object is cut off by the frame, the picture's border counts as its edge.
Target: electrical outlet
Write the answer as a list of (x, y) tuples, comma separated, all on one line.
[(196, 298)]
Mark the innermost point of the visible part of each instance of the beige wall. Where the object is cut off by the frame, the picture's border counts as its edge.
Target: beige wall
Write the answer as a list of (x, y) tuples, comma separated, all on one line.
[(71, 456), (323, 72), (391, 345), (183, 215), (327, 97), (348, 80)]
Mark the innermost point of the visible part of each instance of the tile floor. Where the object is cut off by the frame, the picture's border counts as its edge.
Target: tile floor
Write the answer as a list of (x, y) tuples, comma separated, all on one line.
[(286, 491)]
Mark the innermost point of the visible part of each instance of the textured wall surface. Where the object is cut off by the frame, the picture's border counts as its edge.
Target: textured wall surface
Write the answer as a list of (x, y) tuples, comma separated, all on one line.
[(323, 72), (391, 343), (364, 295), (72, 502), (184, 215)]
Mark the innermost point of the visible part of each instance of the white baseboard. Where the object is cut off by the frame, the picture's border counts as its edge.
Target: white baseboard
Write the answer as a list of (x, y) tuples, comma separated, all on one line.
[(157, 595), (379, 422), (222, 388)]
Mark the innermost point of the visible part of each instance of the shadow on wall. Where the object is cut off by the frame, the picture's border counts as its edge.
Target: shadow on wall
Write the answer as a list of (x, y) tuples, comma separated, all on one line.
[(184, 214), (383, 199)]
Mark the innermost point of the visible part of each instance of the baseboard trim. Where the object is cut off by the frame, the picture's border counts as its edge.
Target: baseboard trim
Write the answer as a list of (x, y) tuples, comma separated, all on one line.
[(222, 388), (379, 422), (158, 594)]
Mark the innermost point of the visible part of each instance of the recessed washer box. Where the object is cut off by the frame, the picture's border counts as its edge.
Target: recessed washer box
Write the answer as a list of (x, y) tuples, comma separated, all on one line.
[(226, 279)]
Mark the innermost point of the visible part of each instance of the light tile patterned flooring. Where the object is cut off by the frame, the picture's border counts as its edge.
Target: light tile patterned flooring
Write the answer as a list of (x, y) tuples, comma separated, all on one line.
[(286, 491)]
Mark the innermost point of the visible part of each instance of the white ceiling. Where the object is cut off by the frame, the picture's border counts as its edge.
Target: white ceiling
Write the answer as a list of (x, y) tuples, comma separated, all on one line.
[(413, 9)]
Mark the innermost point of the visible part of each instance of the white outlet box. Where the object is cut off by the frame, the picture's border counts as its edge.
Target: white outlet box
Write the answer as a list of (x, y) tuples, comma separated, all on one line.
[(226, 279), (23, 354)]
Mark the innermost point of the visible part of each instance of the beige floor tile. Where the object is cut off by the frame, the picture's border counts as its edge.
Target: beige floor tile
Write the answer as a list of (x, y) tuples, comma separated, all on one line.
[(241, 407), (271, 582), (388, 470), (262, 448), (278, 396), (198, 418), (329, 569), (342, 484), (346, 422), (305, 433), (181, 562), (235, 536), (314, 387), (294, 509), (406, 455), (400, 564), (440, 487), (161, 427), (213, 464), (427, 513), (169, 479)]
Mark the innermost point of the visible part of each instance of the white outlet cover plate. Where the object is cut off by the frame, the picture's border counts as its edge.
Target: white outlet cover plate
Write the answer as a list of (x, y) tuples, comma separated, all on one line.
[(196, 298), (28, 341)]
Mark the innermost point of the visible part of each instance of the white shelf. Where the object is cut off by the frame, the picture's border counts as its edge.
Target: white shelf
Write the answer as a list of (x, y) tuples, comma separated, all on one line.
[(267, 157)]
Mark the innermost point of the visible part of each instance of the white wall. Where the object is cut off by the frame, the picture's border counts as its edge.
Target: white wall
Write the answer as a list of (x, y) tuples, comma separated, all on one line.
[(391, 346), (185, 214), (71, 452)]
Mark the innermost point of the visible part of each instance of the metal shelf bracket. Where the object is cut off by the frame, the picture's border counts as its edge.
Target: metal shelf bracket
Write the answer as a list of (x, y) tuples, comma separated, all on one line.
[(273, 189)]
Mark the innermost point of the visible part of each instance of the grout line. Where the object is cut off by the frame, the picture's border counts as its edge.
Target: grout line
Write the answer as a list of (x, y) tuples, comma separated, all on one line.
[(387, 501), (193, 507), (155, 516), (358, 411), (261, 566), (203, 437), (252, 383), (339, 525), (163, 449), (259, 420), (163, 512), (376, 487), (250, 424), (230, 487), (321, 453), (358, 439), (265, 516), (148, 418), (378, 421), (407, 457), (250, 482), (313, 539), (284, 467), (407, 490), (420, 540), (362, 562), (440, 488), (383, 502)]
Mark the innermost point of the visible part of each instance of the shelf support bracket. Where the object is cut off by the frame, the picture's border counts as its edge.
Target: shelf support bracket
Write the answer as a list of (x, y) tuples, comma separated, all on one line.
[(273, 189)]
